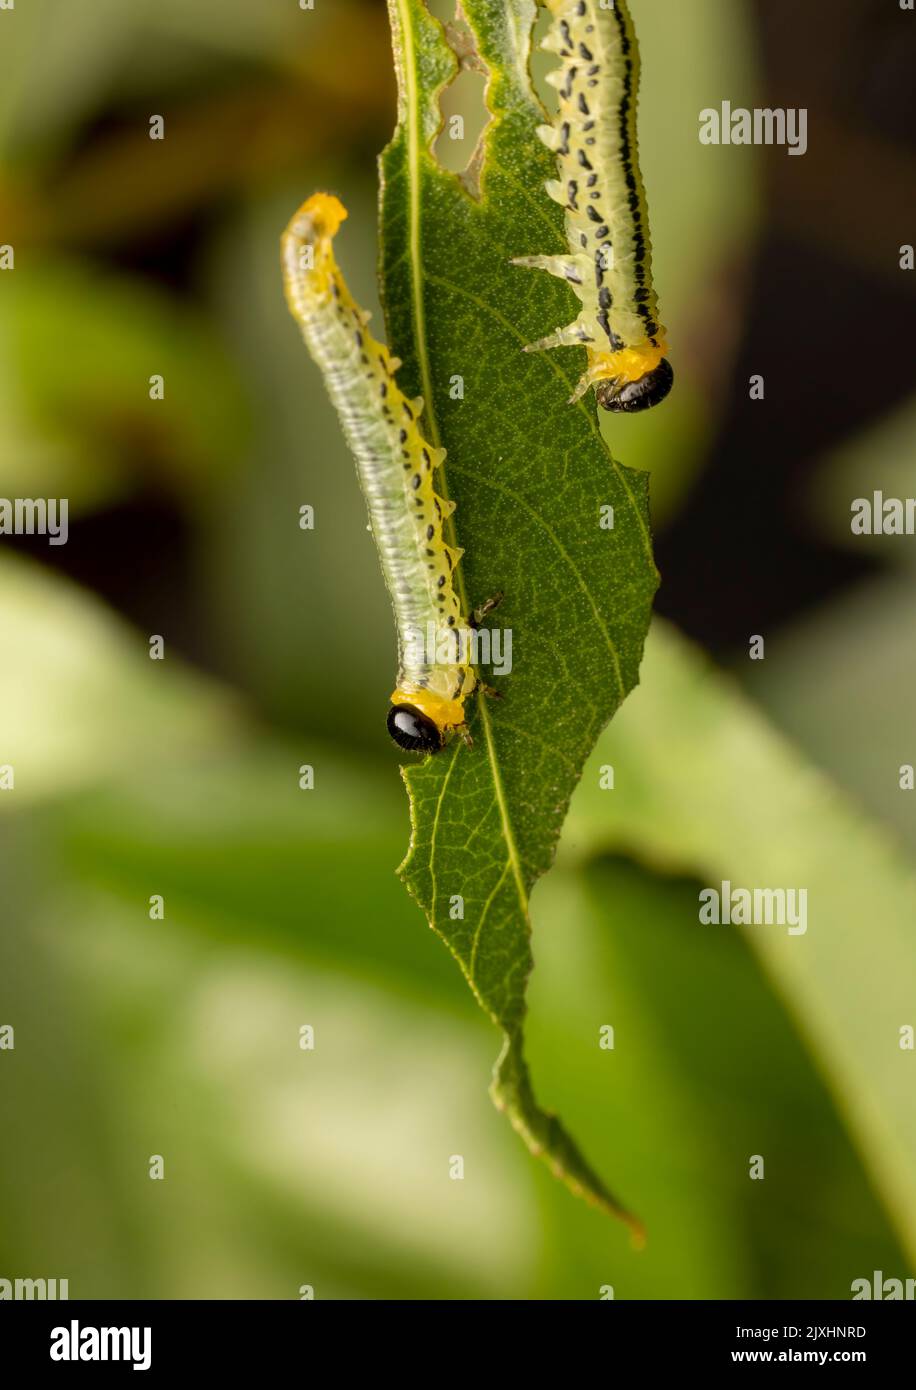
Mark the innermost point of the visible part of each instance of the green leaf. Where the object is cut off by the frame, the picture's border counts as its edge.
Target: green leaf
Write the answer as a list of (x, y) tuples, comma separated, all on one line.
[(530, 474), (703, 784)]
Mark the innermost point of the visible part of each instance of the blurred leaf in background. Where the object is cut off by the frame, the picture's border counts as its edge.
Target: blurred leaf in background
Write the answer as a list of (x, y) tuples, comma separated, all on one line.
[(701, 783), (859, 648), (79, 421), (181, 1037)]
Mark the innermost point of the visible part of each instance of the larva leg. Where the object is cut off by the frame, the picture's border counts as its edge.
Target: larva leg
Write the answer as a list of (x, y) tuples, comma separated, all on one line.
[(575, 334), (563, 267), (486, 607), (481, 688), (584, 382), (475, 620)]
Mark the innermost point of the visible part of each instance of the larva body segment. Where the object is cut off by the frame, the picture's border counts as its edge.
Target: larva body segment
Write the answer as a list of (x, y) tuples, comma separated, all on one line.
[(609, 263), (395, 464)]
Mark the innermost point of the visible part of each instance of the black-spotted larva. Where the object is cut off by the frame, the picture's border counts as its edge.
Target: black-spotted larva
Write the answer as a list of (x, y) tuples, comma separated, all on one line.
[(395, 465), (609, 262)]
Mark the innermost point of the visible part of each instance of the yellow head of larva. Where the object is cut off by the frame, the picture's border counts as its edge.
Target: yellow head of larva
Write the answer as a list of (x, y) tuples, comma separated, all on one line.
[(419, 720)]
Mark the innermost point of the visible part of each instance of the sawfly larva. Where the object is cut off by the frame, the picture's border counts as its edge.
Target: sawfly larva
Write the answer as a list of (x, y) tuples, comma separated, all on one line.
[(609, 260), (395, 464)]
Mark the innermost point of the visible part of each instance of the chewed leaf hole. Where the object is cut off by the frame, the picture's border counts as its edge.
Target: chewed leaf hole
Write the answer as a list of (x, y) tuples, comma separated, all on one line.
[(465, 117), (541, 63)]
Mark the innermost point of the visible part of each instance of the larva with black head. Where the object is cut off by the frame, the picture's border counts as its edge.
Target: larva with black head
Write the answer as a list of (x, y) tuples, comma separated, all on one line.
[(395, 464), (609, 261)]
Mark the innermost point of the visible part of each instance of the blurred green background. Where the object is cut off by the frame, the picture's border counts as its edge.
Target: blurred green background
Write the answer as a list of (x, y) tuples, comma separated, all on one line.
[(180, 1037)]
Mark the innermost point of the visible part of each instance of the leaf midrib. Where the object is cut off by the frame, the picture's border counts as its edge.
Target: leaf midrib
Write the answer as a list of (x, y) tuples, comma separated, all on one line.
[(414, 154)]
